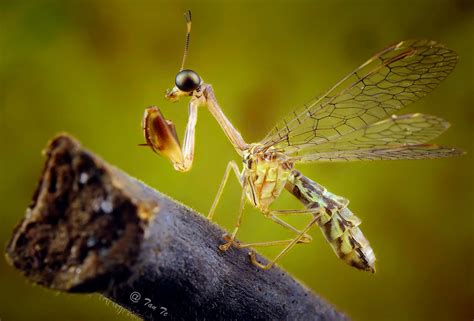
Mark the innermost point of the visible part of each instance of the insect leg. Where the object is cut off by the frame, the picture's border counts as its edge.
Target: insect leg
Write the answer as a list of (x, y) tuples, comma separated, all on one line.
[(262, 244), (231, 165), (225, 246), (295, 212), (272, 214), (253, 255), (160, 135), (189, 138)]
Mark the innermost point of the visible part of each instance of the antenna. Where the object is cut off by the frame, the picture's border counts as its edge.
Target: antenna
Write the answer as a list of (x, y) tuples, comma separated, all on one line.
[(187, 17)]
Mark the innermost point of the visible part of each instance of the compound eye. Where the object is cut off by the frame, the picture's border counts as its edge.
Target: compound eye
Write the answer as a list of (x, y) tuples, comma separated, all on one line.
[(187, 80)]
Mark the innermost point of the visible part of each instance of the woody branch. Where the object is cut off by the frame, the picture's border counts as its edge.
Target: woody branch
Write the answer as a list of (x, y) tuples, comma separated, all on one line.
[(93, 229)]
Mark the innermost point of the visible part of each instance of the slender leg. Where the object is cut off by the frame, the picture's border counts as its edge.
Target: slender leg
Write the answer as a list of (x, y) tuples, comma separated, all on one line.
[(289, 227), (263, 244), (225, 246), (253, 256), (272, 215), (295, 212), (231, 165)]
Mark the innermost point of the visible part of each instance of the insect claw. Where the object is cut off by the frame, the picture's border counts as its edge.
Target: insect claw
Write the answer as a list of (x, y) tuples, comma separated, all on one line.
[(224, 247), (253, 258), (226, 237), (229, 241)]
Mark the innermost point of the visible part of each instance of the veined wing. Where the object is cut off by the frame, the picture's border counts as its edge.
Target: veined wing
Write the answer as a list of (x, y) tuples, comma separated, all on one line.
[(397, 137), (393, 78), (421, 151), (396, 131)]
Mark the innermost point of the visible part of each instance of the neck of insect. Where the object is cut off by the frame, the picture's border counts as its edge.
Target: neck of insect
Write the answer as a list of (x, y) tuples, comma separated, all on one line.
[(231, 132)]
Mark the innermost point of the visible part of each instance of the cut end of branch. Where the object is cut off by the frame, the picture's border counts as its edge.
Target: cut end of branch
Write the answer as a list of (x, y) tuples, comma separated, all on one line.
[(80, 230)]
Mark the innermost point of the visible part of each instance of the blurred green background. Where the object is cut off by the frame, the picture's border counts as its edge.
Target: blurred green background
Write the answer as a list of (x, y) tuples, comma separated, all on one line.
[(91, 67)]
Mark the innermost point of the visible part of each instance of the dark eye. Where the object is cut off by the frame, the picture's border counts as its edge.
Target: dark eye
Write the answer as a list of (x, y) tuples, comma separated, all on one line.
[(187, 80)]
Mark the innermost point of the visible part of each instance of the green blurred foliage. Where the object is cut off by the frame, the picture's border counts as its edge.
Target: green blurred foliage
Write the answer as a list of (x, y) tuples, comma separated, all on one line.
[(91, 67)]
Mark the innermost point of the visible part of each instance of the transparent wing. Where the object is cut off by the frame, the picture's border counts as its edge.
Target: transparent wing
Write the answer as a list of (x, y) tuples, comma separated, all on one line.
[(422, 151), (393, 78), (396, 131)]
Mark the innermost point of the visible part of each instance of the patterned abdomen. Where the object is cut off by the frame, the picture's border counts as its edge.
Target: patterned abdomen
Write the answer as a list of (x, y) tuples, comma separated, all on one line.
[(338, 223), (342, 232)]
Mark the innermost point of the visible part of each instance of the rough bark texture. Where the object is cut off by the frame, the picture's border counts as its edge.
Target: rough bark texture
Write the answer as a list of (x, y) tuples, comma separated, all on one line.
[(92, 228)]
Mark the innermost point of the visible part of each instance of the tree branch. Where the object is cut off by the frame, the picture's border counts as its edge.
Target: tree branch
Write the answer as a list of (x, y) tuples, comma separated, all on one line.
[(92, 228)]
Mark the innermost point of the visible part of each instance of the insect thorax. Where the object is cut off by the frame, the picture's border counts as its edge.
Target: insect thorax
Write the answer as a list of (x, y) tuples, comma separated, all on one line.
[(267, 172)]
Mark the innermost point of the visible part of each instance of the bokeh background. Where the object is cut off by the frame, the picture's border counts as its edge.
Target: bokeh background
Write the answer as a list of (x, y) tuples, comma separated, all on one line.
[(91, 67)]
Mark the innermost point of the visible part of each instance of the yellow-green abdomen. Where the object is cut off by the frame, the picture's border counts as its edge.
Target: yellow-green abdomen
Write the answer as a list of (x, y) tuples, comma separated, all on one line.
[(339, 225), (347, 240)]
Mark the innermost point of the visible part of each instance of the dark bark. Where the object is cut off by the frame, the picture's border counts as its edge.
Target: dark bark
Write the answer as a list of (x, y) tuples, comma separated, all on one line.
[(92, 228)]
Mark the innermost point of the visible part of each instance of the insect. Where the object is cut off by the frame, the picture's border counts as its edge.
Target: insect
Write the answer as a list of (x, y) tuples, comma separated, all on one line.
[(352, 121)]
